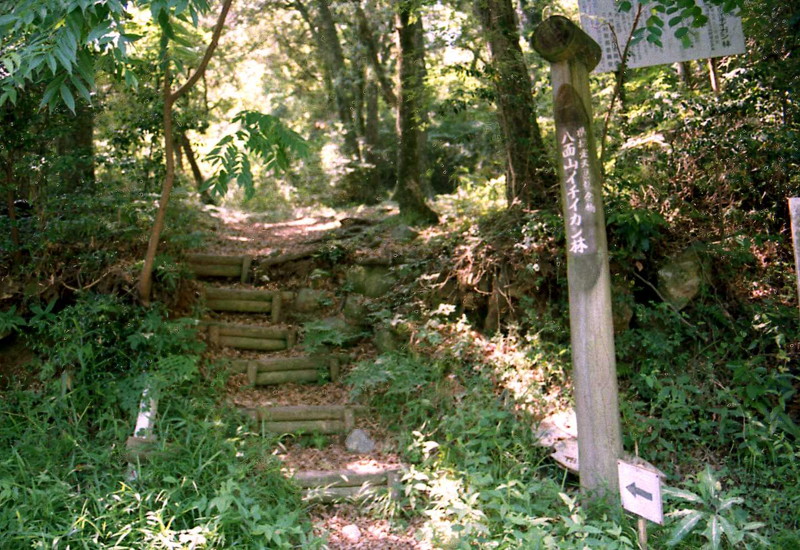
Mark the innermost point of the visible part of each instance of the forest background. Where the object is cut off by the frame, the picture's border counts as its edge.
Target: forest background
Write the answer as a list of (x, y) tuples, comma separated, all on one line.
[(323, 105)]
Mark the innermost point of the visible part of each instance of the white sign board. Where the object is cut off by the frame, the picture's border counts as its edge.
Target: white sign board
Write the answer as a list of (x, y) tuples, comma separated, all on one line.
[(722, 35), (640, 489)]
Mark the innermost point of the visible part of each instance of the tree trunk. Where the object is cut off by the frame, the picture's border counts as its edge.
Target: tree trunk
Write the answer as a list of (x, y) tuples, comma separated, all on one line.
[(371, 133), (367, 38), (529, 173), (422, 107), (196, 173), (410, 191), (342, 87), (326, 73), (146, 278)]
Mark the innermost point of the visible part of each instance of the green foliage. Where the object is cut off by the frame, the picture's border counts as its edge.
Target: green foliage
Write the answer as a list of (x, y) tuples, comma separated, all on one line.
[(78, 340), (324, 335), (10, 321), (477, 474), (683, 14), (261, 135), (208, 482), (62, 44), (714, 509)]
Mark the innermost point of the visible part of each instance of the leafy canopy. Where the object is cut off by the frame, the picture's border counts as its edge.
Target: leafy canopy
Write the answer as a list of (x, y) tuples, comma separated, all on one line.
[(60, 44)]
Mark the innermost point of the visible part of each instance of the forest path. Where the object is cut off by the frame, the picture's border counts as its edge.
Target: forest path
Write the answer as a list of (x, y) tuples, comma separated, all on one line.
[(282, 261)]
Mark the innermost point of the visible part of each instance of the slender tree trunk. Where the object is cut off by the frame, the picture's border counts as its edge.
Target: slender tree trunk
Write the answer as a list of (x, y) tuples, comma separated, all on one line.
[(371, 133), (170, 97), (410, 191), (422, 107), (199, 180), (342, 87), (685, 74), (320, 45), (146, 278), (529, 172), (367, 38)]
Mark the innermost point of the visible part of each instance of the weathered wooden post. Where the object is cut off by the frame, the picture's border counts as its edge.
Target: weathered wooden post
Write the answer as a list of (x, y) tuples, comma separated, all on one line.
[(573, 54), (794, 213)]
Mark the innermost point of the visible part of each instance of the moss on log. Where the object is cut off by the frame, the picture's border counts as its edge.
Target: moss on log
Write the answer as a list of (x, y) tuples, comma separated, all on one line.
[(216, 270), (259, 344), (305, 426)]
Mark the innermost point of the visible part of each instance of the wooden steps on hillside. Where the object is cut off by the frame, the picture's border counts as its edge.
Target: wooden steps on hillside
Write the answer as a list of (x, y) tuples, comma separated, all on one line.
[(212, 265), (347, 485), (315, 419), (248, 337), (281, 370), (236, 300)]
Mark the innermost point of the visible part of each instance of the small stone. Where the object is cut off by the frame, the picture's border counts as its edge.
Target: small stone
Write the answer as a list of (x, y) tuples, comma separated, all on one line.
[(403, 234), (309, 299), (681, 279), (356, 309), (351, 532), (359, 442), (371, 281)]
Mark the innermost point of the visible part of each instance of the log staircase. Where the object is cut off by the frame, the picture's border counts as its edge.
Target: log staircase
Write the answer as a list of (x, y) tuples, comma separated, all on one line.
[(276, 345)]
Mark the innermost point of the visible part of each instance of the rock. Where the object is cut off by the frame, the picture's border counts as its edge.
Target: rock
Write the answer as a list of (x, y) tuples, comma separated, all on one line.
[(680, 280), (359, 442), (352, 533), (309, 299), (371, 281), (356, 309), (403, 234), (330, 332), (386, 340)]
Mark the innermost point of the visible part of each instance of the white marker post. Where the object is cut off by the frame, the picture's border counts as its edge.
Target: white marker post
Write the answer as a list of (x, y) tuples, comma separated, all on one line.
[(573, 54), (794, 213)]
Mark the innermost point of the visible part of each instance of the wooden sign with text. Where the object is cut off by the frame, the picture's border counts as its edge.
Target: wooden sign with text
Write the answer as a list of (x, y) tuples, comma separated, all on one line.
[(572, 54)]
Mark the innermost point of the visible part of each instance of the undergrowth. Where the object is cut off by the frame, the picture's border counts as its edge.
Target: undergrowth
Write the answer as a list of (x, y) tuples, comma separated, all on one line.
[(464, 408), (65, 481)]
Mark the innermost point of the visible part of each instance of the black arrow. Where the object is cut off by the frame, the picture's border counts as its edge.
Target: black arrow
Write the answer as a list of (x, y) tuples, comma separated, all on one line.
[(635, 491)]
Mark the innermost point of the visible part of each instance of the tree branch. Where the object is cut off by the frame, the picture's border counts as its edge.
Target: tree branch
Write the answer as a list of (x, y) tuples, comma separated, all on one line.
[(201, 69)]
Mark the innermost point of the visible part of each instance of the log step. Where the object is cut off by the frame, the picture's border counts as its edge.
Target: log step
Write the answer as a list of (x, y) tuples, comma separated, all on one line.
[(281, 370), (252, 337), (340, 485), (209, 265), (322, 419), (246, 300)]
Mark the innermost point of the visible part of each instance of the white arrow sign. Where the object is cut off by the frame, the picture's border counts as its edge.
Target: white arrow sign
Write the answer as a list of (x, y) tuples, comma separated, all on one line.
[(640, 489)]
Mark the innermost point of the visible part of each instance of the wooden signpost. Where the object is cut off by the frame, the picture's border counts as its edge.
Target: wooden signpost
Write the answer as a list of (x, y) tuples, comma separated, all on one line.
[(573, 54), (794, 213)]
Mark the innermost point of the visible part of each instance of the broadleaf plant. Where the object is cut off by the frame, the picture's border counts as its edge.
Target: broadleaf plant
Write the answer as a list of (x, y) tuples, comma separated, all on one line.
[(260, 135), (713, 510)]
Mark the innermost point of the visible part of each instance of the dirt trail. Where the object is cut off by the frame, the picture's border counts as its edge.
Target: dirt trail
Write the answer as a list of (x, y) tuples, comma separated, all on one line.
[(346, 526)]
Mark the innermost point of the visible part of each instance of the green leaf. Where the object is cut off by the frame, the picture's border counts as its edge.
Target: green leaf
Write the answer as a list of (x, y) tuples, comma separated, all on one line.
[(714, 532), (684, 527), (69, 99), (51, 62), (624, 6), (682, 494), (81, 88), (727, 503)]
